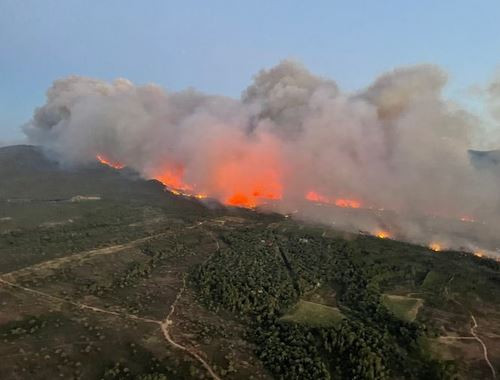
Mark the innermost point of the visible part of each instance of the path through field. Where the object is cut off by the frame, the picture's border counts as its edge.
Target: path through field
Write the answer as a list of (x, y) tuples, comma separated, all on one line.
[(472, 329), (9, 281)]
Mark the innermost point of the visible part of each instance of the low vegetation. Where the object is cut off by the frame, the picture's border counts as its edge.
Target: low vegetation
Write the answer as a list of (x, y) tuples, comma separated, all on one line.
[(405, 308), (313, 314)]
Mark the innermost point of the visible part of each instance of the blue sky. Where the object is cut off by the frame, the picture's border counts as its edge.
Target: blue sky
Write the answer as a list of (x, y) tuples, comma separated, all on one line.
[(217, 46)]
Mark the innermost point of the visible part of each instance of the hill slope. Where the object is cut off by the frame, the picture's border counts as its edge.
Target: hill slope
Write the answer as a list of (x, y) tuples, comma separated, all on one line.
[(26, 173), (134, 282)]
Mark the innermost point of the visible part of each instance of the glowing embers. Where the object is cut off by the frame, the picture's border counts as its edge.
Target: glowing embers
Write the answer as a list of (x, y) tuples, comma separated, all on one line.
[(106, 161), (339, 202)]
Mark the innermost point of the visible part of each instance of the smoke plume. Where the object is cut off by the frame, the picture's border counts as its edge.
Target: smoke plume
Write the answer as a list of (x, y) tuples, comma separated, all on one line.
[(397, 145)]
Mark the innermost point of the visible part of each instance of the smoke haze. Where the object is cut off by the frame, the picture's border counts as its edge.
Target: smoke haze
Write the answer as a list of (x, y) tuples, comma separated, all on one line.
[(396, 145)]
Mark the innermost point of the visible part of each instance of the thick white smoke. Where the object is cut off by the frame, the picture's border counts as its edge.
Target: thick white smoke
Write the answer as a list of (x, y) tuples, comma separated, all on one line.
[(397, 145)]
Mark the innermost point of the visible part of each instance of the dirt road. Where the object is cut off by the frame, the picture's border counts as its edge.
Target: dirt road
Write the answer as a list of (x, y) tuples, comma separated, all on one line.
[(75, 258), (472, 329), (164, 325)]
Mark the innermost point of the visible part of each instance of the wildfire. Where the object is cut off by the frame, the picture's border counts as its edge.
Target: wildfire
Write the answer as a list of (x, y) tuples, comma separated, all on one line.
[(172, 177), (249, 183), (382, 234), (235, 185), (348, 203), (467, 219), (436, 247), (479, 253), (228, 183), (240, 199), (200, 196), (315, 197), (253, 198), (248, 188), (106, 161), (339, 202), (178, 192)]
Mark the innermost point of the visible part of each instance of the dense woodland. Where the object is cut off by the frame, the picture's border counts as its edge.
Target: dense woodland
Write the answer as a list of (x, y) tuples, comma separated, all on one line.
[(259, 275)]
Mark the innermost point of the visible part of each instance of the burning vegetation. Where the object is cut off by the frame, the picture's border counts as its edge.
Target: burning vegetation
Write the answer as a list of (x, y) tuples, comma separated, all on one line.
[(339, 202), (396, 145), (382, 234), (242, 191), (106, 161), (436, 247)]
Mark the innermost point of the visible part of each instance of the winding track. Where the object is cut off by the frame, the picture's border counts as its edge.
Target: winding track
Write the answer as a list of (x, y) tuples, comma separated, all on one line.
[(472, 329), (164, 325), (77, 257), (485, 349), (164, 328)]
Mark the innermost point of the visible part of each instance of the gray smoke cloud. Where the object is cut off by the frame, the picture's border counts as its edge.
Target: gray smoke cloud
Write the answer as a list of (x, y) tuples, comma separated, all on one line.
[(396, 145)]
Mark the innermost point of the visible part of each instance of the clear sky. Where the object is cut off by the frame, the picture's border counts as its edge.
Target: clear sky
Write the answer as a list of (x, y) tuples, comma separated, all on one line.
[(217, 46)]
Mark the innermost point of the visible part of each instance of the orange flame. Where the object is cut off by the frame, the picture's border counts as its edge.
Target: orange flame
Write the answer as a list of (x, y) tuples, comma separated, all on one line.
[(382, 234), (172, 177), (106, 161), (250, 192), (339, 202), (347, 203), (315, 197), (240, 199), (236, 185), (479, 253), (230, 184), (436, 247)]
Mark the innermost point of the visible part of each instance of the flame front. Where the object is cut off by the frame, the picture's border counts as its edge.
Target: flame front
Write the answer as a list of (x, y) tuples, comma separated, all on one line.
[(106, 161), (173, 178), (347, 203), (339, 202), (233, 186), (250, 188), (251, 182), (228, 183)]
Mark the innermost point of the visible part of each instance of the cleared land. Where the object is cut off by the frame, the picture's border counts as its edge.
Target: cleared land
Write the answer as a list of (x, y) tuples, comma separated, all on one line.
[(314, 314), (405, 308)]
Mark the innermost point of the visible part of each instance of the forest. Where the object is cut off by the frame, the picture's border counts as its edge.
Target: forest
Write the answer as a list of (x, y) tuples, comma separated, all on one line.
[(259, 274)]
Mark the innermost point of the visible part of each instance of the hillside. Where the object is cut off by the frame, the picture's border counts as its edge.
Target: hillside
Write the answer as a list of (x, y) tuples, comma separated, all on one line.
[(26, 173), (104, 275)]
